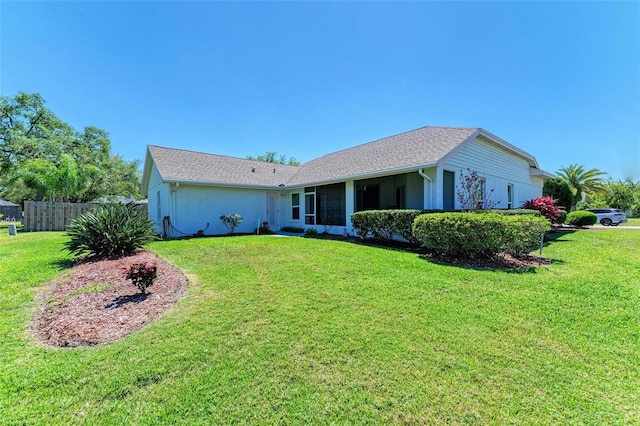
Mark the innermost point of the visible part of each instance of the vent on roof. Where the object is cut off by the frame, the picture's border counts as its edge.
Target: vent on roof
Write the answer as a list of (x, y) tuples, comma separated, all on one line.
[(253, 170), (274, 170)]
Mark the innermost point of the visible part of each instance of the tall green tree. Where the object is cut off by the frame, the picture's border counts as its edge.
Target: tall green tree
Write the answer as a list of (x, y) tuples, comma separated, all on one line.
[(55, 182), (620, 194), (582, 181), (42, 157), (29, 130), (560, 190), (270, 157)]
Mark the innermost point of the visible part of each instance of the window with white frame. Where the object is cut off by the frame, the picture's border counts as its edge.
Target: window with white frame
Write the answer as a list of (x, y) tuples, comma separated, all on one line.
[(310, 205), (295, 206), (159, 207)]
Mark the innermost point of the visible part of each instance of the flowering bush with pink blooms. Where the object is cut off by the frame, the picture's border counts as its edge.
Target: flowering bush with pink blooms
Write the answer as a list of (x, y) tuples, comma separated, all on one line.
[(142, 275), (546, 206)]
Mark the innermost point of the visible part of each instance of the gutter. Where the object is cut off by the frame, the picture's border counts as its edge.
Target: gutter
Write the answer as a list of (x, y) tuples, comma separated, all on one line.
[(223, 184), (421, 173), (426, 178)]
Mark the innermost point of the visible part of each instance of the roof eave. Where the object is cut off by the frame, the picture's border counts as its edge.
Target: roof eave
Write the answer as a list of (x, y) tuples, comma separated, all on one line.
[(541, 173), (146, 172), (223, 184), (369, 175)]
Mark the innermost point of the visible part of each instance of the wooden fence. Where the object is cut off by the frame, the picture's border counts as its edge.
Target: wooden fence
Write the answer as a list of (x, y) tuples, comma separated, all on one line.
[(50, 216)]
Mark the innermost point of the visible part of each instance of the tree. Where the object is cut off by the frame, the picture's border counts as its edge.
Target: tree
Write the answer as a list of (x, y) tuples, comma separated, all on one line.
[(28, 131), (620, 194), (42, 157), (270, 157), (51, 181), (582, 181), (560, 191)]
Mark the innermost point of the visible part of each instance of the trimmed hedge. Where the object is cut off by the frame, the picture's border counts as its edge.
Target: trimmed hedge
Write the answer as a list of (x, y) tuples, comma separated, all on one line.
[(471, 236), (522, 233), (581, 218), (384, 224)]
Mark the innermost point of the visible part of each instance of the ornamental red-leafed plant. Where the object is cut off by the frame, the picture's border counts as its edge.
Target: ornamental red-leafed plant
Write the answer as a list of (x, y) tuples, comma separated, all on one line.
[(142, 275), (546, 206)]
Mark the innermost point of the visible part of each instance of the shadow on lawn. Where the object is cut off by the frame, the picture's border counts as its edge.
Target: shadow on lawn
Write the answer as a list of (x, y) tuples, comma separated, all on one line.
[(508, 264), (62, 264), (556, 236)]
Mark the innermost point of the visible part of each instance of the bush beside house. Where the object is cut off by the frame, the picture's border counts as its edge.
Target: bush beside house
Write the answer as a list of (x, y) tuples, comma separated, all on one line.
[(479, 236)]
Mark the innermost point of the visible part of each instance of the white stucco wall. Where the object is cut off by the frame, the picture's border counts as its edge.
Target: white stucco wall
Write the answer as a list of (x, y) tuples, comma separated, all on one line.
[(500, 168), (285, 213), (192, 207), (157, 191)]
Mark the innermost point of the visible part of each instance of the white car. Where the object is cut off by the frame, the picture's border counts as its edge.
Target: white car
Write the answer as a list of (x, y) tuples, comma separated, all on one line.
[(609, 217)]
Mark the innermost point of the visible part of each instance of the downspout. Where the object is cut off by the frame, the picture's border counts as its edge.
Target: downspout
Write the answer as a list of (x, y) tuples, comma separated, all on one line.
[(426, 178), (174, 204)]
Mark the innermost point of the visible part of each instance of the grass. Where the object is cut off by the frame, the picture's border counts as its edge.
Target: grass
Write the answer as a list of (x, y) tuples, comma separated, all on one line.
[(631, 221), (295, 330)]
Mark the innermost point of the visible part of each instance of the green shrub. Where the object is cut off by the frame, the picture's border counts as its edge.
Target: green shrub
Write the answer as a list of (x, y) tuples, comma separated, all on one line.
[(559, 190), (263, 230), (311, 232), (462, 235), (563, 216), (479, 236), (292, 229), (231, 221), (522, 233), (110, 230), (384, 224), (581, 218)]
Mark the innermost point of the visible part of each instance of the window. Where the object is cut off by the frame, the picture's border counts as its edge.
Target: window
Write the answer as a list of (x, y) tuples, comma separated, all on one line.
[(295, 206), (331, 205), (309, 207), (159, 207), (325, 205), (509, 196), (400, 197)]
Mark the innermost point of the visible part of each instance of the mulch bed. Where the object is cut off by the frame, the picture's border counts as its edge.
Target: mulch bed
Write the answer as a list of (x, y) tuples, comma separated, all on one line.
[(499, 262), (95, 303), (503, 261)]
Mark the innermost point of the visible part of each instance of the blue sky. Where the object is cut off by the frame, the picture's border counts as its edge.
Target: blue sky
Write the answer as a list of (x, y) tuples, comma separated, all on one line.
[(560, 80)]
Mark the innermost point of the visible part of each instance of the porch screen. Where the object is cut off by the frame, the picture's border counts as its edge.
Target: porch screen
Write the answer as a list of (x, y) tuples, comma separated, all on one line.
[(331, 205)]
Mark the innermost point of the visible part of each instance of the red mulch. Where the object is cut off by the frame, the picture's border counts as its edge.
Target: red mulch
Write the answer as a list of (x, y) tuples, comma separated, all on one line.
[(96, 304)]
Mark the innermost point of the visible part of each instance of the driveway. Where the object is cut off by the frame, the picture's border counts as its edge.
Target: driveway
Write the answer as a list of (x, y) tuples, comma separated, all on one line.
[(598, 226)]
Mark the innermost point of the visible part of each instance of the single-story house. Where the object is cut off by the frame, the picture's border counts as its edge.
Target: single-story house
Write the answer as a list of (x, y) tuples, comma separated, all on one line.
[(420, 169)]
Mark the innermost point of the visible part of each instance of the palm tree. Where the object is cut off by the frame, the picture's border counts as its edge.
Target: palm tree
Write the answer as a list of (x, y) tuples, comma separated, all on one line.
[(582, 181)]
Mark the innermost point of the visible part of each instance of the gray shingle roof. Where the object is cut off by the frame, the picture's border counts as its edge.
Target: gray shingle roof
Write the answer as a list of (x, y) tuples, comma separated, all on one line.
[(4, 203), (178, 165), (414, 149)]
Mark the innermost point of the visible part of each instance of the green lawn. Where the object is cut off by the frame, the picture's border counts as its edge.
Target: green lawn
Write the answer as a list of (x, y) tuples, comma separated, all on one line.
[(632, 221), (294, 330)]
